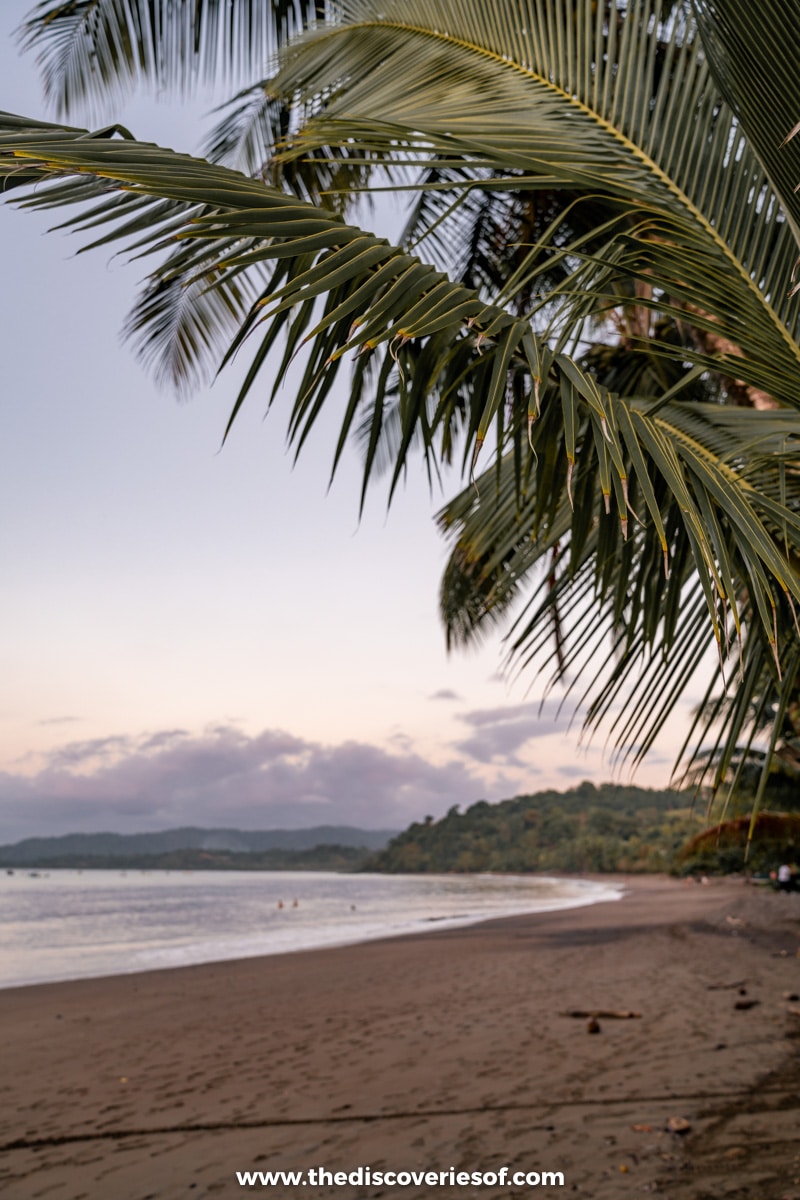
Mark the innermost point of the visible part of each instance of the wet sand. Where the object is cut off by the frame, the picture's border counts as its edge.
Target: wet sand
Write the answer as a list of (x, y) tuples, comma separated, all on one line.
[(425, 1053)]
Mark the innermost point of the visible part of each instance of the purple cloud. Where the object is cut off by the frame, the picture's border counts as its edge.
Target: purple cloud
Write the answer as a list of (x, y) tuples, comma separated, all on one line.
[(573, 771), (75, 753), (225, 777), (164, 737), (501, 731)]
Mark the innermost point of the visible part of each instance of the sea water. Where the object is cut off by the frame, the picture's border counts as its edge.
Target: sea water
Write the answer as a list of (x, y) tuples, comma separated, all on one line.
[(67, 924)]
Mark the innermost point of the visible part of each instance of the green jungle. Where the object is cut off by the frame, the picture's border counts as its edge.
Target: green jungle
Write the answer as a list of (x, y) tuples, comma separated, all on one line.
[(598, 829)]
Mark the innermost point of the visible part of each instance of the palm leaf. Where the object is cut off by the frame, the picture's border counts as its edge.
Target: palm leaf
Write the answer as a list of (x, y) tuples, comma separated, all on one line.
[(226, 223), (629, 641), (556, 100), (91, 52), (561, 97), (753, 62), (394, 298)]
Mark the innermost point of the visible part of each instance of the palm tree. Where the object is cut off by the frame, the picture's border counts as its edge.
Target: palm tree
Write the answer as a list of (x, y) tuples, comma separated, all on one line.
[(595, 279)]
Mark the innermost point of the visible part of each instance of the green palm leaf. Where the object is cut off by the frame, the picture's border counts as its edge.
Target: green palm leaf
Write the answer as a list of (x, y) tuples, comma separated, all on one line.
[(753, 62), (397, 298), (560, 97), (628, 640), (661, 218), (93, 51), (227, 223)]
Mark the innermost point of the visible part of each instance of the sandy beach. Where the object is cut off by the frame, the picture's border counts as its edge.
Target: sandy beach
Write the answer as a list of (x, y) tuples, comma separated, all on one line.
[(451, 1052)]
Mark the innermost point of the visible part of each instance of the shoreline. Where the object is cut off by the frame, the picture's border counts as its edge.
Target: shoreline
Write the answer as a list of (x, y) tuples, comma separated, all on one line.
[(448, 1048), (312, 937)]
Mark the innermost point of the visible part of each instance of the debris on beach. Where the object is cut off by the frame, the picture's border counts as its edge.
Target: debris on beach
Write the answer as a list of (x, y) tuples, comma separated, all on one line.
[(678, 1125), (607, 1014)]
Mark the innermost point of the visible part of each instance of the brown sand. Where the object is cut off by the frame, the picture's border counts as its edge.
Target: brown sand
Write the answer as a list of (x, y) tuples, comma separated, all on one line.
[(425, 1053)]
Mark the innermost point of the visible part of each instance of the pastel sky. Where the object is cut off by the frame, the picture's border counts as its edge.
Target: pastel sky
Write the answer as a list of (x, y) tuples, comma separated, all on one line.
[(205, 637)]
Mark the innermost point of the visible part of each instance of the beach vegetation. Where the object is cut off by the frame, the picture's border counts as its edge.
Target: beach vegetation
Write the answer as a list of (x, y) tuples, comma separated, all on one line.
[(756, 844), (599, 829), (590, 309), (585, 829)]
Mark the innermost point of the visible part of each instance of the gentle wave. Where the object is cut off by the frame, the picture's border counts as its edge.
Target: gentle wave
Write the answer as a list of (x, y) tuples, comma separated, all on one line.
[(74, 925)]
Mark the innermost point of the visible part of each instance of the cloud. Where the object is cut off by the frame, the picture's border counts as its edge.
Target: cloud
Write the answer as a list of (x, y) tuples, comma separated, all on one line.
[(165, 737), (540, 712), (573, 771), (497, 741), (223, 776), (77, 753), (59, 720), (445, 694), (500, 732)]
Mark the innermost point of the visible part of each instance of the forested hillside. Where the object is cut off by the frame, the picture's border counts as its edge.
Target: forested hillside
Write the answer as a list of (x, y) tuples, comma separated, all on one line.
[(588, 828)]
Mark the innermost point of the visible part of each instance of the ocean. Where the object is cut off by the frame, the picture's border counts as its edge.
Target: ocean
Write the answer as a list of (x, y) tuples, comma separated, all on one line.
[(66, 924)]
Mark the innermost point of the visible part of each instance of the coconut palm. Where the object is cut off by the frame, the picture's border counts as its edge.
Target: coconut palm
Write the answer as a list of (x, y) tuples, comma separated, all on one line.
[(595, 279)]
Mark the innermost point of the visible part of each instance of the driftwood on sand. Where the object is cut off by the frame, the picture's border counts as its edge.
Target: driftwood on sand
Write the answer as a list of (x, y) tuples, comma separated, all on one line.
[(607, 1014)]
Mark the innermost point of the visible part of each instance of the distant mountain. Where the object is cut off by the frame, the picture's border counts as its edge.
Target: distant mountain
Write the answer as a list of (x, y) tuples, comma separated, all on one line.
[(34, 851)]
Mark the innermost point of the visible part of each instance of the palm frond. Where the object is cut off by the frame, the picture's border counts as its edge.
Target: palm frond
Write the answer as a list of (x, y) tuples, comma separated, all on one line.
[(753, 59), (245, 136), (562, 97), (629, 639), (453, 348), (226, 223), (643, 517), (91, 52)]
